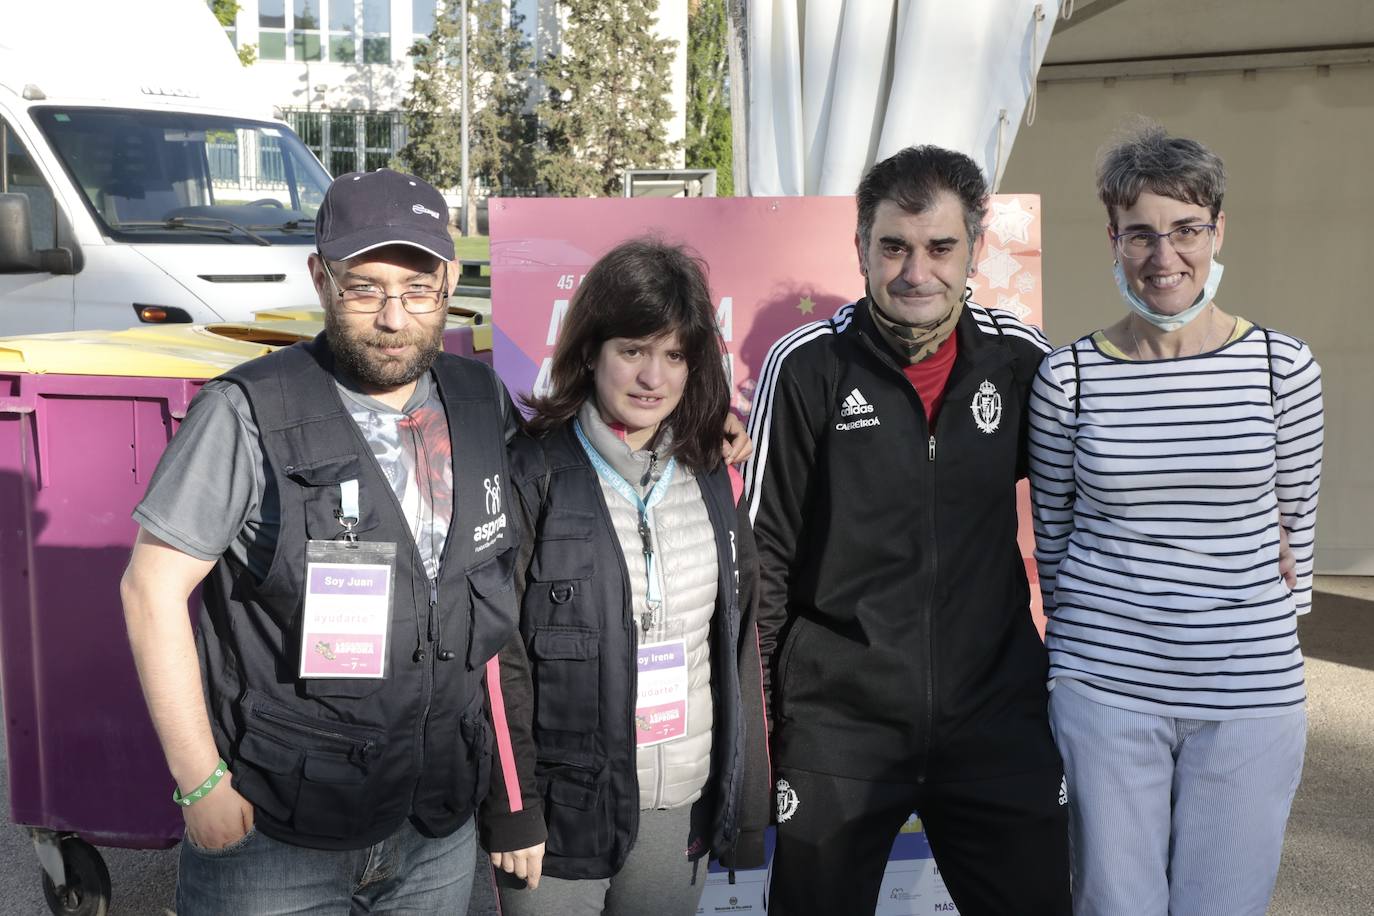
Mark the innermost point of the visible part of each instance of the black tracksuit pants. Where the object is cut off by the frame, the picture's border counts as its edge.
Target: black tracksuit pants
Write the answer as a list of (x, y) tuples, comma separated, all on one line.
[(1001, 844)]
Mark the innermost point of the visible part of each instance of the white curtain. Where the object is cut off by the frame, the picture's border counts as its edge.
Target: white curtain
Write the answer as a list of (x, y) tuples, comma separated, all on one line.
[(836, 85)]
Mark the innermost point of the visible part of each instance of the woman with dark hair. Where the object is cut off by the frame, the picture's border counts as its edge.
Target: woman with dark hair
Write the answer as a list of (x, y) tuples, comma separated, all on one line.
[(646, 741), (1172, 456)]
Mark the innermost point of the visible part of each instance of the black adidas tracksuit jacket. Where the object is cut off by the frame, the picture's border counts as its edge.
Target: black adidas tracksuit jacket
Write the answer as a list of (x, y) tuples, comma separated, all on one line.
[(909, 653)]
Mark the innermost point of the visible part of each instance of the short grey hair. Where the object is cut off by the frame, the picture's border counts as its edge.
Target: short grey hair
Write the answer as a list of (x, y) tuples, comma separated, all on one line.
[(1147, 159), (914, 177)]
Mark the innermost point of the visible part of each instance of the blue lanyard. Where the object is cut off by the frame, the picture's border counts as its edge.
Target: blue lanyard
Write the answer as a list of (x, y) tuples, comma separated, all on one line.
[(622, 486)]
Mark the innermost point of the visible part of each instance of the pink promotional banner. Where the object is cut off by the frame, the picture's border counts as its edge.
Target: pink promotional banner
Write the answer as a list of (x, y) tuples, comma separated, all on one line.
[(775, 263)]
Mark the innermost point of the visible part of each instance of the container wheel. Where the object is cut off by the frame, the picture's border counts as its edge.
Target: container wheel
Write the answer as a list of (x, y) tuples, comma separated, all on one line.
[(88, 881)]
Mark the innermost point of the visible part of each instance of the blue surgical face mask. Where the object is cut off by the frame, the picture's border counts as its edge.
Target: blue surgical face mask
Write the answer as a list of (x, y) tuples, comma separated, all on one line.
[(1170, 322)]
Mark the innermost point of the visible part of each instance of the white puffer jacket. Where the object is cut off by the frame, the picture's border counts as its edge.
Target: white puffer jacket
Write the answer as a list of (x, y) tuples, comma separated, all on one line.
[(670, 774)]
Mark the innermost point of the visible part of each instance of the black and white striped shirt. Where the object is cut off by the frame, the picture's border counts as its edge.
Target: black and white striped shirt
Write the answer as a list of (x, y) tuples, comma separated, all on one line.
[(1158, 487)]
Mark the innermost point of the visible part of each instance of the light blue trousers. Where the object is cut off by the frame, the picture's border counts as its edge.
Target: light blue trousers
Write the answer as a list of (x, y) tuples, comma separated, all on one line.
[(1174, 817)]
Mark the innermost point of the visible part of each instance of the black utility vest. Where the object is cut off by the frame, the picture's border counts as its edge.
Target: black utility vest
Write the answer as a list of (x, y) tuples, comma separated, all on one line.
[(340, 764), (577, 625)]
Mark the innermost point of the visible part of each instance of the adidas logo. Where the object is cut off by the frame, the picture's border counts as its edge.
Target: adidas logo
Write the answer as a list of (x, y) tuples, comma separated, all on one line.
[(1063, 790), (855, 404)]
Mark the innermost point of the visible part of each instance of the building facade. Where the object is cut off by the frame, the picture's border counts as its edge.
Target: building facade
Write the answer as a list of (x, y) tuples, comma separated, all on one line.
[(339, 70)]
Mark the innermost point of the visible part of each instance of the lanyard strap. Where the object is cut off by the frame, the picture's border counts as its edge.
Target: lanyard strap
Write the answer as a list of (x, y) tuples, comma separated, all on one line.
[(622, 486), (348, 507)]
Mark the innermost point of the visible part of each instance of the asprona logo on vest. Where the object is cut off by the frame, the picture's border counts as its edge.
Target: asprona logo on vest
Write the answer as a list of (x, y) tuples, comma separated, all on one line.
[(489, 532)]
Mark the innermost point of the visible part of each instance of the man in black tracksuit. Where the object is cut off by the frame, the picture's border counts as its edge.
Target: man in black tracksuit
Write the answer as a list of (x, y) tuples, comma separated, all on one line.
[(909, 674)]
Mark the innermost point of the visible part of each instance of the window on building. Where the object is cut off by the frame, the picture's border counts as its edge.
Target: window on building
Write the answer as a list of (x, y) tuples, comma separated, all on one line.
[(376, 31), (317, 30), (528, 10), (272, 29), (422, 17), (343, 47), (305, 32)]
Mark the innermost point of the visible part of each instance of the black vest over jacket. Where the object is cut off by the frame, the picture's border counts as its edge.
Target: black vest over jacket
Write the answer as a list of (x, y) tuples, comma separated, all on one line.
[(578, 629)]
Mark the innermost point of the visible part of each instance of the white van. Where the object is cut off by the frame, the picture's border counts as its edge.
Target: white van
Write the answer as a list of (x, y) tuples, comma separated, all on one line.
[(140, 181)]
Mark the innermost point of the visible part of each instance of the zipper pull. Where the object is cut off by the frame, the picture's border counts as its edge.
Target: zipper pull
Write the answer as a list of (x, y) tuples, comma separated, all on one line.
[(931, 453), (646, 623), (429, 623)]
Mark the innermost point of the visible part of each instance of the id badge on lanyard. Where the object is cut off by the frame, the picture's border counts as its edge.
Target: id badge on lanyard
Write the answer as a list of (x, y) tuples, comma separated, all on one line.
[(349, 591), (661, 688)]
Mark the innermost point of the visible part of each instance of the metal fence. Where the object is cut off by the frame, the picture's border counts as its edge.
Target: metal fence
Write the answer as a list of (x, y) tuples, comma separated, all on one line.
[(250, 162), (350, 141)]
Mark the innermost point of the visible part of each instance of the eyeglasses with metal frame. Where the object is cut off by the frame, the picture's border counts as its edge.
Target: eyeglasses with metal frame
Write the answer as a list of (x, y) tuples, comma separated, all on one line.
[(369, 300), (1141, 243)]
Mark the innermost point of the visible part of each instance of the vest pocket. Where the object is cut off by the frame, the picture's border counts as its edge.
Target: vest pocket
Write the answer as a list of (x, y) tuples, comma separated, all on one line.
[(491, 587), (562, 558), (576, 810), (319, 482), (350, 687), (316, 775), (567, 678), (477, 739)]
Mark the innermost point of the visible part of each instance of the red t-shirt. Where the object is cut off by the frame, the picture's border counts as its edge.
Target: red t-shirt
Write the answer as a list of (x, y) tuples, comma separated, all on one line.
[(931, 374)]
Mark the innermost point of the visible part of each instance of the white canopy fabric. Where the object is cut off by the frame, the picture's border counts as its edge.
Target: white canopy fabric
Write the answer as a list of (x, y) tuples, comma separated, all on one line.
[(836, 85)]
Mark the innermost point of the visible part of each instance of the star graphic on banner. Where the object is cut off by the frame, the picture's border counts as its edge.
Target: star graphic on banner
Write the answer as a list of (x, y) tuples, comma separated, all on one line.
[(998, 267), (806, 306), (1010, 221), (1014, 305), (1025, 282)]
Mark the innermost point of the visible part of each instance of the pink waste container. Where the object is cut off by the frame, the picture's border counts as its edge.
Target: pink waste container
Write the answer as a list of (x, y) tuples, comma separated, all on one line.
[(84, 418)]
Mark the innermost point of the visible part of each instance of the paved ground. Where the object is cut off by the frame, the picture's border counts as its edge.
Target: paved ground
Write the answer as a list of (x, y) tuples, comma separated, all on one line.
[(1328, 863), (1328, 867)]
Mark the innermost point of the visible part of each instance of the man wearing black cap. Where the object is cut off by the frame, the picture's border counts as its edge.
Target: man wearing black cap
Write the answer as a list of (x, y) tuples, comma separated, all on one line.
[(329, 726)]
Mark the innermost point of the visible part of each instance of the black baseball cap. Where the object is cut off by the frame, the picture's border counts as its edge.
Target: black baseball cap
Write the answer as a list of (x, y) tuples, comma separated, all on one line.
[(366, 210)]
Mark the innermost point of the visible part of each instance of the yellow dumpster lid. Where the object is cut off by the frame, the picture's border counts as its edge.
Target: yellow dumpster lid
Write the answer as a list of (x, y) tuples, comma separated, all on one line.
[(468, 311), (159, 351), (301, 314), (463, 311)]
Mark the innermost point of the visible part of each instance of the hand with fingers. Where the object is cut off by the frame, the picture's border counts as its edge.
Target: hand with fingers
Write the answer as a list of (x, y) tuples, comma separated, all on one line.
[(1288, 562), (737, 446), (222, 817), (523, 863)]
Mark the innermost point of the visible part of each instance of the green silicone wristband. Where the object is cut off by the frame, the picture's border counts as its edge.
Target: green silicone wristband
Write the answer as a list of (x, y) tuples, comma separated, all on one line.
[(203, 789)]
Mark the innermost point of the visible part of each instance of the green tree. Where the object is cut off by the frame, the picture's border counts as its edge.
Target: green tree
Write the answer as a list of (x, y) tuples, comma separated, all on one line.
[(501, 132), (607, 107), (499, 61), (709, 141), (226, 12)]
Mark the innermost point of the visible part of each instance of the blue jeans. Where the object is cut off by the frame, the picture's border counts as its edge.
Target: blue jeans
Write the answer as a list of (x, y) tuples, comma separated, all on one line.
[(406, 873)]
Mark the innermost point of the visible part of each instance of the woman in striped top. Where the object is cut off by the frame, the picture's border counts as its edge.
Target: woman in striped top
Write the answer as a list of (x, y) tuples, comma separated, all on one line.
[(1172, 456)]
